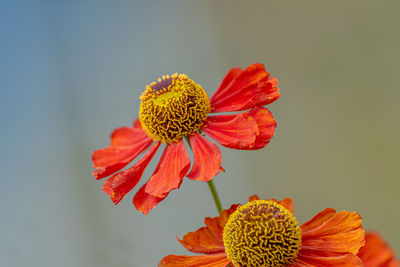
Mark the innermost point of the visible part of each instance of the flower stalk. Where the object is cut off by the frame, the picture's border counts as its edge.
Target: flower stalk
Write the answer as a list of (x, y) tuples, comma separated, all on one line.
[(214, 193)]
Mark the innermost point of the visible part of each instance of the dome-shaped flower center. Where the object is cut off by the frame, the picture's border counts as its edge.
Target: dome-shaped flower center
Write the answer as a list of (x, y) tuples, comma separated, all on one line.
[(262, 233), (173, 107)]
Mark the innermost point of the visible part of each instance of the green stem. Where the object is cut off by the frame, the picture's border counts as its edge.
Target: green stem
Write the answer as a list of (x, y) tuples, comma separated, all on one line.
[(215, 195), (211, 185)]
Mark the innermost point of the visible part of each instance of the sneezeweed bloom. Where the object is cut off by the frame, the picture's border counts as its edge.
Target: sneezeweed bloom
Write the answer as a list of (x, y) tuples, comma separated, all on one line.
[(174, 108), (265, 233), (376, 252)]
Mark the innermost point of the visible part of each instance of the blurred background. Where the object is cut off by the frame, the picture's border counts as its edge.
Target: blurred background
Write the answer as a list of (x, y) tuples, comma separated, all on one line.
[(72, 72)]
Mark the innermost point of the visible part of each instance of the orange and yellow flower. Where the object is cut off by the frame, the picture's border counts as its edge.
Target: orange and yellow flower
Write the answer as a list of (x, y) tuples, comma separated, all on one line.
[(174, 108), (265, 233), (376, 252)]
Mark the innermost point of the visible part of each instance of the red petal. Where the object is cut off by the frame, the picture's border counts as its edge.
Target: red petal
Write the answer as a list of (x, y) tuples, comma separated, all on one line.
[(376, 252), (266, 126), (237, 131), (248, 89), (145, 202), (127, 136), (126, 145), (249, 130), (237, 78), (123, 182), (226, 83), (207, 159), (137, 124), (254, 197), (212, 260), (170, 171), (332, 232), (202, 241)]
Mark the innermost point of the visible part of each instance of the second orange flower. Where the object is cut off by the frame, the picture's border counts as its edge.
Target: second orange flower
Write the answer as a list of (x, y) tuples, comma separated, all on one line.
[(266, 233)]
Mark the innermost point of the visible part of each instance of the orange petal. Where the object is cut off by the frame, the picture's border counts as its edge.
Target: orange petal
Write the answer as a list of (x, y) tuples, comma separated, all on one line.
[(208, 239), (346, 260), (212, 260), (318, 219), (126, 144), (173, 166), (123, 182), (376, 252), (145, 202), (331, 231), (248, 89), (254, 197), (137, 124), (266, 126), (237, 131), (287, 202), (207, 159), (216, 225), (202, 241)]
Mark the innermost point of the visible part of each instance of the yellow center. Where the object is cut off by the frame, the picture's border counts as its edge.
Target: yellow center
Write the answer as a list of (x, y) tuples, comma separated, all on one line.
[(262, 233), (173, 107)]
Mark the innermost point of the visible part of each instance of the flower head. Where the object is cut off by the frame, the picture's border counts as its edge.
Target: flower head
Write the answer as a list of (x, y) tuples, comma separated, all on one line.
[(266, 233), (376, 252), (262, 233), (175, 107)]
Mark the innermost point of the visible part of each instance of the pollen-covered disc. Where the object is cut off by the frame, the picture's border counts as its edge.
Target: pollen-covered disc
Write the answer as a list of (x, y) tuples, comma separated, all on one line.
[(173, 107)]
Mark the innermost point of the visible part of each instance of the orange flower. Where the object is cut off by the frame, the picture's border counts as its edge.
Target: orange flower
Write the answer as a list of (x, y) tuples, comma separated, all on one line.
[(176, 107), (376, 252), (265, 233)]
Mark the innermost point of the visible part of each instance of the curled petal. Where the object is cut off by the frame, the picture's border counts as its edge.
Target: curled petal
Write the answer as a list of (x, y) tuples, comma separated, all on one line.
[(212, 260), (173, 166), (376, 252), (202, 241), (237, 78), (216, 225), (266, 126), (226, 84), (331, 231), (241, 90), (249, 130), (237, 131), (126, 145), (123, 182), (145, 202), (207, 159)]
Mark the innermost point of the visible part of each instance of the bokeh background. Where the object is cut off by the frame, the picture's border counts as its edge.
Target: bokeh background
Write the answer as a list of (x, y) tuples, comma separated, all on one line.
[(72, 71)]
